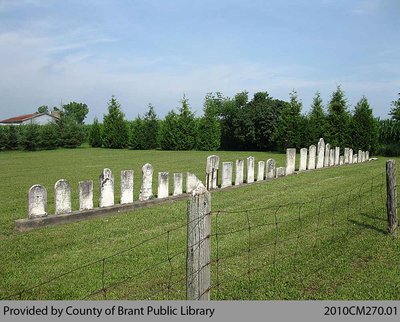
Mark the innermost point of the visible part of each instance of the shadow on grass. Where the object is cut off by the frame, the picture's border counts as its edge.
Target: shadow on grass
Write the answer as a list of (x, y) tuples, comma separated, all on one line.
[(368, 226)]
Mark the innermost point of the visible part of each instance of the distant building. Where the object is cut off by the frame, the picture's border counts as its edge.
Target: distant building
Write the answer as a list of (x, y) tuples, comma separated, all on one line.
[(34, 118)]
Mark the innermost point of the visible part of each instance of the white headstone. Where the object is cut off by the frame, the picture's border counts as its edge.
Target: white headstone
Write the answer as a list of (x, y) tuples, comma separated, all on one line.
[(341, 160), (250, 169), (191, 182), (337, 155), (37, 201), (350, 156), (280, 172), (327, 153), (227, 168), (312, 150), (163, 185), (359, 156), (290, 161), (126, 186), (366, 155), (320, 153), (212, 172), (85, 194), (106, 188), (355, 158), (239, 172), (62, 197), (146, 192), (270, 169), (261, 170), (303, 159), (331, 157), (178, 184), (346, 155)]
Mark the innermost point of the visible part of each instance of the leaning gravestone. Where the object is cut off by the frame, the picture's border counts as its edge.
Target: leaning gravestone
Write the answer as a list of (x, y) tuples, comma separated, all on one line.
[(178, 184), (85, 194), (239, 172), (62, 197), (226, 174), (106, 188), (320, 153), (311, 157), (212, 172), (271, 165), (327, 153), (146, 192), (337, 155), (163, 185), (303, 159), (126, 186), (37, 201), (250, 170), (261, 170), (191, 182), (290, 161)]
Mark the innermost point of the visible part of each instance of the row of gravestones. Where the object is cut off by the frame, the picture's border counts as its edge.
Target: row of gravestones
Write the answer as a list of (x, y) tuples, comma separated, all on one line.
[(37, 194), (322, 156), (312, 158)]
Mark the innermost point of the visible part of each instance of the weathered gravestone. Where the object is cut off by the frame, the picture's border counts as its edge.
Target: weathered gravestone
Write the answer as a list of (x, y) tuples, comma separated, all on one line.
[(290, 161), (191, 182), (227, 169), (106, 188), (320, 153), (250, 170), (212, 172), (280, 172), (261, 170), (350, 156), (331, 157), (62, 197), (271, 165), (239, 172), (85, 194), (312, 150), (146, 192), (37, 201), (341, 160), (163, 185), (303, 159), (337, 155), (126, 186), (327, 153), (346, 155), (178, 184), (355, 158), (366, 155)]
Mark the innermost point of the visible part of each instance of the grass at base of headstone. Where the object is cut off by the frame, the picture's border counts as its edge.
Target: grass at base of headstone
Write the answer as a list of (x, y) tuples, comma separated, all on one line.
[(357, 261)]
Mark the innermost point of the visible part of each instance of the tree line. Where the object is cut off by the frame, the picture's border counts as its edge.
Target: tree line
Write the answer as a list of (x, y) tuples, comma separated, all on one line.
[(262, 123)]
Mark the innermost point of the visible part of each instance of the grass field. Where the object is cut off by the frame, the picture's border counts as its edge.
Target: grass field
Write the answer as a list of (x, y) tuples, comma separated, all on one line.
[(352, 259)]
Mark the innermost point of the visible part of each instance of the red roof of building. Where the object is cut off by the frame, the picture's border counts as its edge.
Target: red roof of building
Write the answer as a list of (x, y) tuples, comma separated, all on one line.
[(19, 119)]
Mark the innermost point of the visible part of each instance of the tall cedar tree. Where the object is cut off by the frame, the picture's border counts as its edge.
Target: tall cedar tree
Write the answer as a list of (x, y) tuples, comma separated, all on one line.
[(289, 131), (395, 110), (95, 134), (115, 134), (48, 136), (338, 120), (30, 137), (72, 134), (317, 121), (209, 128), (169, 138), (364, 127), (137, 138), (13, 138), (151, 128)]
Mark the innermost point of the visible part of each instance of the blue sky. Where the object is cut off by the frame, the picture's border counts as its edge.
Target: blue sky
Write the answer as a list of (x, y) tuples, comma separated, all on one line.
[(155, 51)]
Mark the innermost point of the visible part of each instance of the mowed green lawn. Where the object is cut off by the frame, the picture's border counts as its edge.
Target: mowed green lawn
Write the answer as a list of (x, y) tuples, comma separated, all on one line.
[(334, 249)]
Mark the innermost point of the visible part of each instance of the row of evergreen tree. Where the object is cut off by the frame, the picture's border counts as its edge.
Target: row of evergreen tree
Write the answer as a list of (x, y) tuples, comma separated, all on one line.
[(260, 124)]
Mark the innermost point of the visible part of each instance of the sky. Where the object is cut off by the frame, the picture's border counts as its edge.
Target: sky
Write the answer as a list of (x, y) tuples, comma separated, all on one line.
[(55, 52)]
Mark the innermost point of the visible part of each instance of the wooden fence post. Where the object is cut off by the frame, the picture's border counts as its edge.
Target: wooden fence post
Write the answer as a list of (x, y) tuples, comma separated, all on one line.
[(391, 202), (198, 268)]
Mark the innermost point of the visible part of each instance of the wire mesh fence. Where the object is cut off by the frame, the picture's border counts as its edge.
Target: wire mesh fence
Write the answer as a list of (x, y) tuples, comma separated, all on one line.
[(265, 253)]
